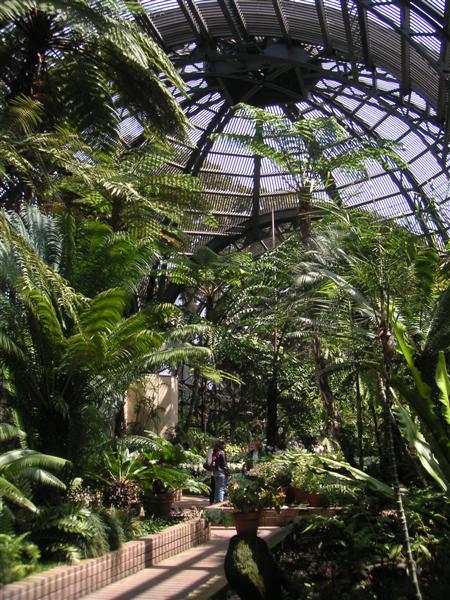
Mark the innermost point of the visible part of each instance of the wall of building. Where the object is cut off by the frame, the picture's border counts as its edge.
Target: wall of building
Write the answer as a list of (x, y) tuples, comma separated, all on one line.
[(152, 405)]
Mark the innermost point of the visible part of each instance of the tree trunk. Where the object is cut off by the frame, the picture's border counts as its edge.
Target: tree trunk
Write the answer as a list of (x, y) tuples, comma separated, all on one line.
[(194, 399), (116, 214), (120, 426), (389, 418), (376, 428), (388, 342), (333, 419), (203, 393), (305, 216), (359, 423), (272, 409)]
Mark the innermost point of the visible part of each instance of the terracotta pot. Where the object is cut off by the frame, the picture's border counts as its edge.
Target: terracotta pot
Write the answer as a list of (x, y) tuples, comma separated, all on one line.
[(247, 523), (159, 505), (314, 499), (294, 495)]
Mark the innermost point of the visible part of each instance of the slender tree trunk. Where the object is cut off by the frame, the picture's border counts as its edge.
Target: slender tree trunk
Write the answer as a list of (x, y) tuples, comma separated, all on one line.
[(376, 428), (194, 399), (333, 419), (203, 392), (359, 423), (396, 486), (116, 214), (387, 340), (272, 409), (305, 215), (120, 426)]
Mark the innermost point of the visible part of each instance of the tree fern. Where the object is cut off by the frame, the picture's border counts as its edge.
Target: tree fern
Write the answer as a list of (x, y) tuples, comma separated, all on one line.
[(95, 62)]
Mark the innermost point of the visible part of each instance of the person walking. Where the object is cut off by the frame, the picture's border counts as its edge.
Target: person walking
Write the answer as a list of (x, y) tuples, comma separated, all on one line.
[(220, 470), (208, 465)]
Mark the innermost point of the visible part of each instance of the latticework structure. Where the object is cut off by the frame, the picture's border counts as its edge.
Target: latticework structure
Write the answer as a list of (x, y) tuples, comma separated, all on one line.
[(381, 67)]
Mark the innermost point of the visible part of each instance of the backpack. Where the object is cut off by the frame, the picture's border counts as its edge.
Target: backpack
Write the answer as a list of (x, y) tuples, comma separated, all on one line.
[(209, 466)]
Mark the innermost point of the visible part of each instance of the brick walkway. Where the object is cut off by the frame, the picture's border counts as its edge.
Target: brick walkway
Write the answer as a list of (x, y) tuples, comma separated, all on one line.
[(195, 574)]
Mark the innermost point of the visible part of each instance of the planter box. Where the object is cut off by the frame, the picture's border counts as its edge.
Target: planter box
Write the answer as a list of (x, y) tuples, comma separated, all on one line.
[(288, 514), (74, 581)]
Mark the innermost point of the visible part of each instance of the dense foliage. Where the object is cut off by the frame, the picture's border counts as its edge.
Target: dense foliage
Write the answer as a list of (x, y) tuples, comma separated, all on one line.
[(332, 347)]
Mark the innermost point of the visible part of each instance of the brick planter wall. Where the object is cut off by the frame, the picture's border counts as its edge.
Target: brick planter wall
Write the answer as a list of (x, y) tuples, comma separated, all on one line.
[(75, 581), (288, 514)]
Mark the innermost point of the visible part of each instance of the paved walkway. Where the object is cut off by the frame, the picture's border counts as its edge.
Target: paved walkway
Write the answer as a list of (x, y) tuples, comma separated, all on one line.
[(195, 574)]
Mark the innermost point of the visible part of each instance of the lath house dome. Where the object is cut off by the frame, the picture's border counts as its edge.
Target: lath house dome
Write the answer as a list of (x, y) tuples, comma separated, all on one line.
[(380, 67)]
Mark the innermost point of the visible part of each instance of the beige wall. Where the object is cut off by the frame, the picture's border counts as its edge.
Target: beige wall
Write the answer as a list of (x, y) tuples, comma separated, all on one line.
[(152, 405)]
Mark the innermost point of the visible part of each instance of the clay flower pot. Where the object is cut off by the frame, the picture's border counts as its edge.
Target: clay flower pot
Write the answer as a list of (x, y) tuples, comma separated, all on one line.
[(247, 523), (295, 495), (159, 505), (314, 499)]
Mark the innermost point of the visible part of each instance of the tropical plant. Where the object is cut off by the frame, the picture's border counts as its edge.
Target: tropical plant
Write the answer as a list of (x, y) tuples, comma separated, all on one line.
[(427, 397), (18, 557), (247, 494), (380, 259), (70, 532), (123, 472), (162, 460), (22, 469), (311, 151), (130, 189), (31, 161), (71, 356), (134, 466), (315, 473), (88, 64)]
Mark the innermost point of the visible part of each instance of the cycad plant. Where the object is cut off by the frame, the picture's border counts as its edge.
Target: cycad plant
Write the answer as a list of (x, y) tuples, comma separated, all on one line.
[(72, 357), (21, 470)]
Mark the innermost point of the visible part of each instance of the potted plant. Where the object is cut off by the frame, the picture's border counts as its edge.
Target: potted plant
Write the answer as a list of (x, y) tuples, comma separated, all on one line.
[(248, 497), (275, 479), (145, 471), (307, 478), (164, 476)]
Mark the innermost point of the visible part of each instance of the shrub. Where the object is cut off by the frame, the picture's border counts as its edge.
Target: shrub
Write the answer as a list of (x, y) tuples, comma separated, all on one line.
[(247, 493), (274, 475), (18, 557)]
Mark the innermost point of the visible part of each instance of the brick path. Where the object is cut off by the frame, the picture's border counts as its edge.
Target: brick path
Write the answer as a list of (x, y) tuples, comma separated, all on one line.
[(195, 574)]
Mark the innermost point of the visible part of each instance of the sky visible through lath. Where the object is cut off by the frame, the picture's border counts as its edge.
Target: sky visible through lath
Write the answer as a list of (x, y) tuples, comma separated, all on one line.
[(406, 48)]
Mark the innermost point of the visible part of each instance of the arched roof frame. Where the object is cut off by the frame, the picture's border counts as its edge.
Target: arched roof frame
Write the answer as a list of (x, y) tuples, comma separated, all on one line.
[(381, 67)]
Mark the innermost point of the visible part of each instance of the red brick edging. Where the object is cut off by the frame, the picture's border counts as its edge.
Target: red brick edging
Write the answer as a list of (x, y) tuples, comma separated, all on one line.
[(287, 514), (74, 581)]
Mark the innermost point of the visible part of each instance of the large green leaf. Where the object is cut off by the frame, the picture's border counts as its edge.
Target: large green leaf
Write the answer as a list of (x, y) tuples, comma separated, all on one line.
[(408, 349), (357, 475), (419, 444), (443, 383), (9, 432), (335, 468), (8, 491)]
